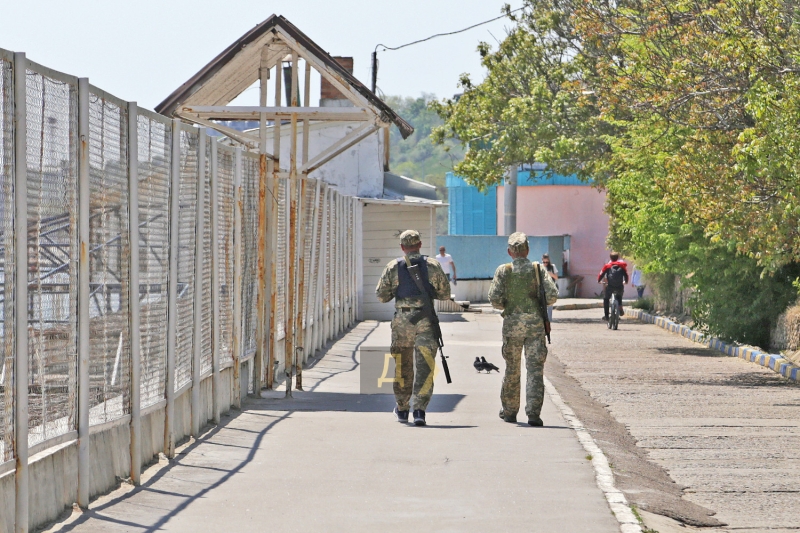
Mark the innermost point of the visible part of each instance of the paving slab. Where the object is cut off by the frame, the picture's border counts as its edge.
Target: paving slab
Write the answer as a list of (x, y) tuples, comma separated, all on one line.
[(331, 459)]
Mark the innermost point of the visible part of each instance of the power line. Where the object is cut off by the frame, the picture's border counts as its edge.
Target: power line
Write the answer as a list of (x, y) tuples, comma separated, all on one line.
[(385, 48), (445, 34)]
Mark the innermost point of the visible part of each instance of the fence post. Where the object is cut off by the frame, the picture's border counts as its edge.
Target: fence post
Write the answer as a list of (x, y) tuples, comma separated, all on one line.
[(198, 282), (215, 283), (135, 295), (172, 295), (21, 294), (83, 293), (237, 277)]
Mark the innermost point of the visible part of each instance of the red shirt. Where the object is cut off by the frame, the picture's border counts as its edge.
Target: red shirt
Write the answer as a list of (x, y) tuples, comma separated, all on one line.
[(608, 265)]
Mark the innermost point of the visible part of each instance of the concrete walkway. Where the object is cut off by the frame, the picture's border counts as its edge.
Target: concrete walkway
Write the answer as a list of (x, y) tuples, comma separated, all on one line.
[(332, 459), (666, 409)]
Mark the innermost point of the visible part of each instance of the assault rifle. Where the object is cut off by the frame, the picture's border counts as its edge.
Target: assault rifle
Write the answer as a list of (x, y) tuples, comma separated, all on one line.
[(542, 299), (429, 312)]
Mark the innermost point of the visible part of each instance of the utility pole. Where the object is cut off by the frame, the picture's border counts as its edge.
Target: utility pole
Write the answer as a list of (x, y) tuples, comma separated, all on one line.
[(510, 201)]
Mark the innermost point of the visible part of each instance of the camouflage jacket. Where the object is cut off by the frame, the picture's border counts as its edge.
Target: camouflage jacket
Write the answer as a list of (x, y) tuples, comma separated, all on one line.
[(387, 285), (520, 324)]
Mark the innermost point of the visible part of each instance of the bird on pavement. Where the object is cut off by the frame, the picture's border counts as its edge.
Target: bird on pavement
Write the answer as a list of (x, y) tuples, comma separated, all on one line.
[(488, 366), (477, 364)]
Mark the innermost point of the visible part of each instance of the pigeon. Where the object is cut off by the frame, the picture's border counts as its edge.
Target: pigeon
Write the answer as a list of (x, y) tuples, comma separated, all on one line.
[(477, 364), (488, 366)]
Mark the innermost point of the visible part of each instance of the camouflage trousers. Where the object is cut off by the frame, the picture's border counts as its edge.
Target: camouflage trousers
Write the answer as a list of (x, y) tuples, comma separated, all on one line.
[(535, 355), (413, 346)]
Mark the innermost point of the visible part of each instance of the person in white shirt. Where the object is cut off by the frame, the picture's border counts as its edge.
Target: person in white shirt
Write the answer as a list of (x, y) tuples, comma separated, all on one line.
[(446, 260)]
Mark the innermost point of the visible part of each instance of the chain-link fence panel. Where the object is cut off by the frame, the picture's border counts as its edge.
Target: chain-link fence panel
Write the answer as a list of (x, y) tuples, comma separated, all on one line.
[(206, 309), (334, 244), (328, 293), (225, 197), (319, 282), (250, 167), (154, 140), (281, 242), (52, 255), (308, 245), (7, 270), (109, 260), (187, 215)]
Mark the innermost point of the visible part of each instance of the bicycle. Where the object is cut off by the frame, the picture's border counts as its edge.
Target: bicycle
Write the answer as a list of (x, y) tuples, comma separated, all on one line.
[(613, 313)]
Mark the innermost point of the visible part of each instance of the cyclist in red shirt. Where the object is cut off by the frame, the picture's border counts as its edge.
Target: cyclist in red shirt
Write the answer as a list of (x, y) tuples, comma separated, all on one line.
[(614, 275)]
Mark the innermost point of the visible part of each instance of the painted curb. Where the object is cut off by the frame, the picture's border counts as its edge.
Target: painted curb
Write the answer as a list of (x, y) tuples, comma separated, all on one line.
[(628, 523), (775, 362)]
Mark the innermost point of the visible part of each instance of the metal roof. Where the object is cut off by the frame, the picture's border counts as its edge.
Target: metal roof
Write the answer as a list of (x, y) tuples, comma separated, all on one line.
[(236, 68)]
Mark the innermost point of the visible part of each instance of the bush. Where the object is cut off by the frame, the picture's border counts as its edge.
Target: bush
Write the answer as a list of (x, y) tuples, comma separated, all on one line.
[(735, 300), (645, 304)]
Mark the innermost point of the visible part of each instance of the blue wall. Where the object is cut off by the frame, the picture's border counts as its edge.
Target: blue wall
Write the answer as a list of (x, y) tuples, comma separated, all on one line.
[(471, 211), (478, 256)]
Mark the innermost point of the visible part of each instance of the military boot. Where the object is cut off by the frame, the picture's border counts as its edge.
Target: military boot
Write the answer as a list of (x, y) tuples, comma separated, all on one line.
[(535, 421), (419, 417)]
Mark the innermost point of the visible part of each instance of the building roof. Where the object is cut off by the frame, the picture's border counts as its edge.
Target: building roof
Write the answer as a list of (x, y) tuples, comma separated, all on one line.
[(236, 68)]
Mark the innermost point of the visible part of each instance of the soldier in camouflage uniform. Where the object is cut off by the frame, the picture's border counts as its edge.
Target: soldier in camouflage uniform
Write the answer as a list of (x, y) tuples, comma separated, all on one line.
[(408, 330), (515, 290)]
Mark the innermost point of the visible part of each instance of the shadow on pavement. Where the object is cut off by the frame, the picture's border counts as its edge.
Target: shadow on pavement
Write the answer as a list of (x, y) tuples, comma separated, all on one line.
[(745, 380), (695, 352), (452, 317), (339, 401), (95, 513)]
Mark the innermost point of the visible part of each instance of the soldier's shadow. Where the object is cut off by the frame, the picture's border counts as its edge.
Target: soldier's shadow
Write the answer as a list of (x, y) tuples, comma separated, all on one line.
[(339, 401)]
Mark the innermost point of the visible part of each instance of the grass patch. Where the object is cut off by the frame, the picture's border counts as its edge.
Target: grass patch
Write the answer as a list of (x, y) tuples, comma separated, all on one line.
[(638, 516)]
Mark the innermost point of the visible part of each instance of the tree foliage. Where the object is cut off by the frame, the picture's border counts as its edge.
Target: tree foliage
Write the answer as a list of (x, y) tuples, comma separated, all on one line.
[(685, 111), (417, 157)]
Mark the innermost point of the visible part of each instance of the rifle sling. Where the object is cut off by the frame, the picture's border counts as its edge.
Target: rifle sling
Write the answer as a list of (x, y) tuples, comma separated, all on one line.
[(427, 309)]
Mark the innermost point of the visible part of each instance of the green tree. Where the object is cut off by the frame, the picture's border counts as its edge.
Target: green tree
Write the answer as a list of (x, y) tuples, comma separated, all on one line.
[(417, 157), (684, 111)]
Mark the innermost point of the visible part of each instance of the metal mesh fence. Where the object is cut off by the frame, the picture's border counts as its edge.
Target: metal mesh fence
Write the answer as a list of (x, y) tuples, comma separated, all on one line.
[(109, 337), (329, 245), (205, 303), (187, 198), (52, 250), (6, 263), (225, 246), (250, 168), (50, 234), (280, 263), (308, 244), (155, 139), (317, 280)]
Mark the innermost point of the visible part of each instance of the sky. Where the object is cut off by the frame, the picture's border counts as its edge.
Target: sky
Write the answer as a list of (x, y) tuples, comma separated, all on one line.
[(142, 50)]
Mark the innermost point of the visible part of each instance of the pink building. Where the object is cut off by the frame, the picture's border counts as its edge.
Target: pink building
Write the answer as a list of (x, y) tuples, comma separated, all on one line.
[(564, 206)]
